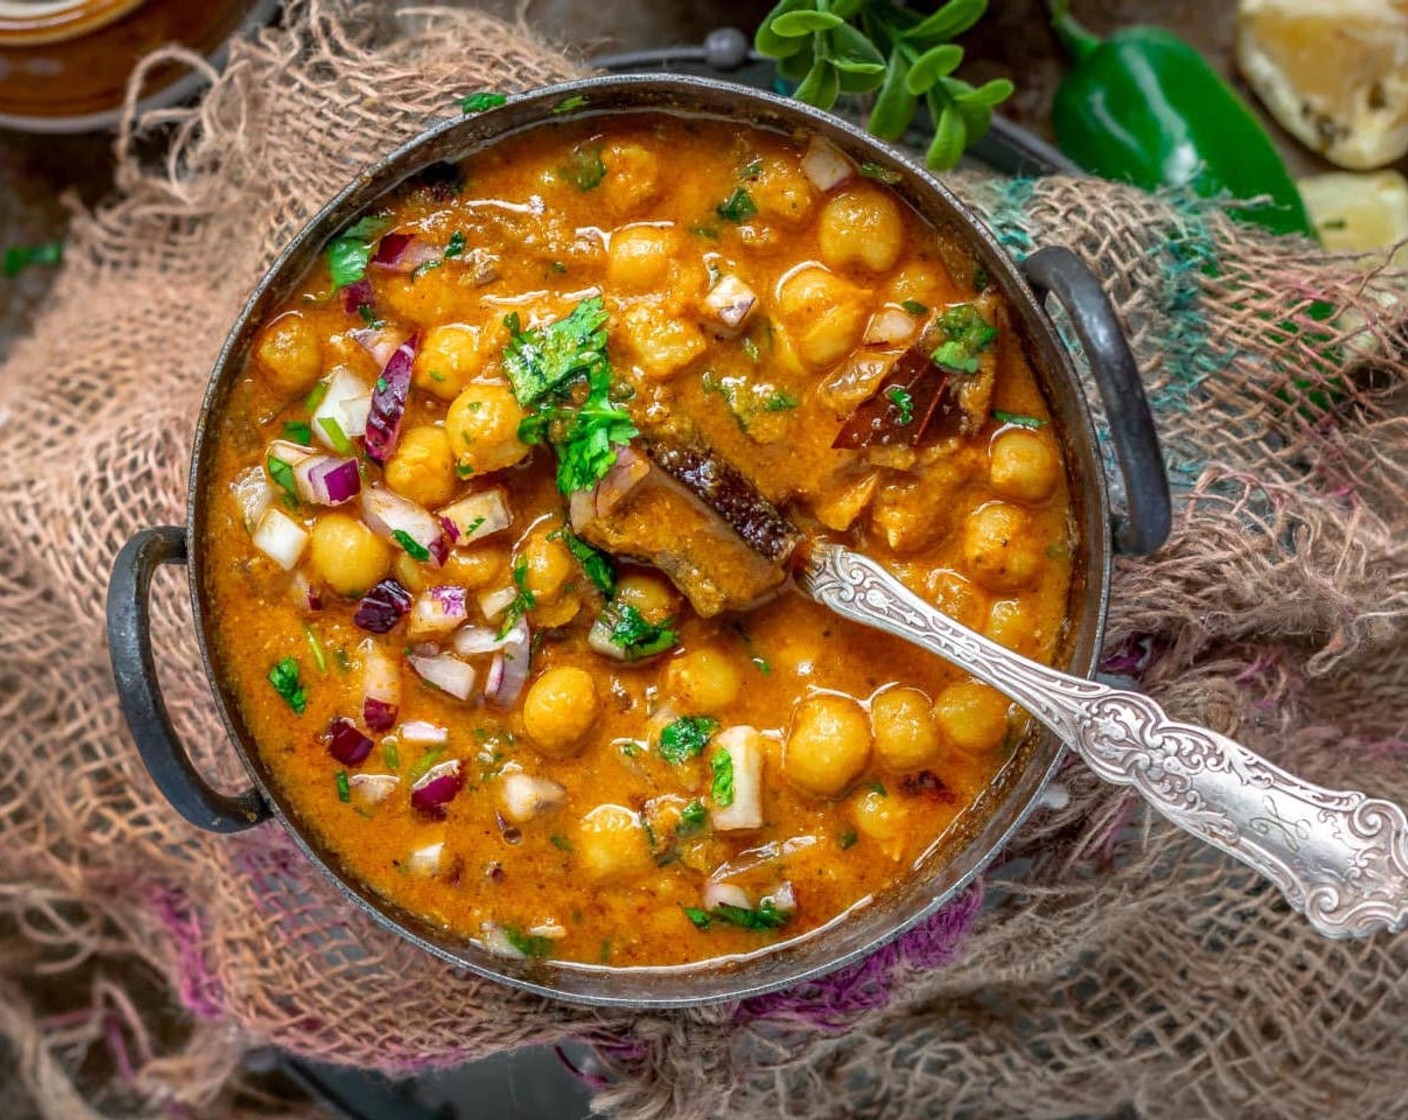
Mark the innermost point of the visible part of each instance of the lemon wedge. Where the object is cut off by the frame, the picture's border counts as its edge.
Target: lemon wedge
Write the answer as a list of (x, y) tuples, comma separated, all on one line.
[(1358, 211)]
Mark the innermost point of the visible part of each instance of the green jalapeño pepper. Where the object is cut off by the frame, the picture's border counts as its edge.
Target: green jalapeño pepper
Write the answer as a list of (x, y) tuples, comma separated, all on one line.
[(1144, 107)]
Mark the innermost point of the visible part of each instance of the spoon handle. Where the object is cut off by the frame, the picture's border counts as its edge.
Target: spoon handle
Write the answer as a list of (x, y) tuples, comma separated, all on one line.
[(1339, 857)]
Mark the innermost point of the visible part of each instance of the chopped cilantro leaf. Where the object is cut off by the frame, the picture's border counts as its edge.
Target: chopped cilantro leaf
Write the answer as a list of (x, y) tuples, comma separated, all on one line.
[(1016, 418), (627, 630), (952, 355), (530, 945), (544, 359), (414, 549), (463, 470), (752, 169), (425, 762), (847, 839), (751, 349), (762, 664), (298, 431), (877, 787), (737, 207), (284, 677), (766, 916), (780, 401), (478, 102), (523, 602), (721, 791), (981, 280), (343, 661), (584, 168), (455, 246), (347, 259), (282, 474), (560, 842), (344, 787), (596, 564), (914, 307), (699, 917), (872, 170), (966, 333), (20, 257), (559, 267), (692, 818), (567, 104), (336, 436), (368, 315), (903, 400), (686, 738), (422, 269)]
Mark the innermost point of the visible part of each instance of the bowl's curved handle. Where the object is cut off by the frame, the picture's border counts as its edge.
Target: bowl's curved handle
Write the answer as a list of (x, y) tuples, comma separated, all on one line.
[(134, 669), (1146, 522)]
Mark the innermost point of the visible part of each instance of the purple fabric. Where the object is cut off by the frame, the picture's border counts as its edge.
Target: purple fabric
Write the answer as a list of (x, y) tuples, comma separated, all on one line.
[(200, 989)]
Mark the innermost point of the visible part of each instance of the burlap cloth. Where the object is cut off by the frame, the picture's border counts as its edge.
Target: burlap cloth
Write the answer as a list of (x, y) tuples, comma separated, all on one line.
[(1114, 963)]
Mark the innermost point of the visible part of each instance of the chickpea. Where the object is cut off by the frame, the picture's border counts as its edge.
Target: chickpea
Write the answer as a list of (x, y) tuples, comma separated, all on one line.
[(825, 313), (902, 722), (661, 343), (632, 174), (957, 597), (477, 569), (881, 818), (1000, 548), (923, 281), (289, 355), (423, 466), (559, 613), (1022, 465), (829, 745), (408, 572), (640, 258), (863, 226), (702, 680), (1010, 624), (972, 716), (781, 192), (482, 426), (547, 567), (348, 556), (446, 360), (559, 710), (654, 597), (611, 843)]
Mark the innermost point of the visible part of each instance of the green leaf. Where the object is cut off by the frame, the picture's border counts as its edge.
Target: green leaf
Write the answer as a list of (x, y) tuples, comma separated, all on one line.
[(952, 355), (455, 246), (795, 66), (531, 946), (414, 549), (560, 842), (851, 82), (821, 86), (20, 257), (282, 474), (850, 50), (894, 104), (595, 563), (721, 789), (523, 602), (772, 45), (284, 677), (344, 787), (336, 436), (872, 170), (1018, 419), (626, 629), (545, 359), (567, 104), (989, 94), (793, 25), (347, 260), (903, 400), (933, 64), (298, 431), (780, 401), (584, 168), (700, 918), (319, 656), (737, 207), (845, 8), (693, 817), (478, 102), (977, 119), (914, 307), (686, 738), (954, 18), (950, 138), (765, 917)]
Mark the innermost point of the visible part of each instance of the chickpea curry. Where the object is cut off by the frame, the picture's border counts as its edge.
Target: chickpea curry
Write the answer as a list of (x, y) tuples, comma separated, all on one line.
[(500, 525)]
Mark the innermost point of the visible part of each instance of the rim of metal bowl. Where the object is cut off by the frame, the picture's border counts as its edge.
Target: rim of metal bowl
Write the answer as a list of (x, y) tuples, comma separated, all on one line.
[(1001, 809)]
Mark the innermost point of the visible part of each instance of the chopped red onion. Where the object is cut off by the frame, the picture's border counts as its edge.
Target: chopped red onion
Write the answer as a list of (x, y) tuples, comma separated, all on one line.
[(346, 744), (423, 733), (280, 538), (386, 513), (357, 296), (825, 164), (345, 404), (382, 607), (471, 640), (452, 531), (494, 603), (729, 303), (404, 253), (447, 673), (327, 481), (509, 672), (435, 789), (390, 248), (378, 714), (438, 611), (477, 515), (381, 689), (379, 342), (389, 402), (289, 452)]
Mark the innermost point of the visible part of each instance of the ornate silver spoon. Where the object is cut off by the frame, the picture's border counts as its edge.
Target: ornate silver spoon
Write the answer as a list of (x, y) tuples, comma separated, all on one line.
[(1339, 856)]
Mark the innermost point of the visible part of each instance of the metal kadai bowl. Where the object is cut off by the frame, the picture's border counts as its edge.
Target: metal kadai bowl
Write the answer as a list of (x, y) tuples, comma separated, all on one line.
[(979, 833)]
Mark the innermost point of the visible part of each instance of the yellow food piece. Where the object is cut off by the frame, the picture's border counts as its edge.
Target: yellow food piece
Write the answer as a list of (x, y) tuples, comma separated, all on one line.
[(655, 598), (1358, 212), (1022, 465), (448, 357), (559, 710), (972, 716), (998, 547), (547, 566), (482, 425), (702, 680), (347, 555), (882, 818), (661, 343), (640, 258), (902, 723), (423, 466), (824, 313), (861, 227), (828, 747), (611, 843), (288, 355), (1334, 73)]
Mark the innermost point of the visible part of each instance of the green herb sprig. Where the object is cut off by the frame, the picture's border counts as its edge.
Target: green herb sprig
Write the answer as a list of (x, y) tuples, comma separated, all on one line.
[(686, 738), (833, 47)]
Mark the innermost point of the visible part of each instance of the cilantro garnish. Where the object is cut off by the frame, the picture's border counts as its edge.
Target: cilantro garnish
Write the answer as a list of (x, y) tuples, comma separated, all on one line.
[(542, 360), (455, 246), (750, 347), (560, 842), (699, 917), (737, 207), (903, 400), (762, 664), (368, 315), (20, 257), (523, 602), (721, 791), (766, 916), (425, 762), (966, 333), (595, 563), (780, 401), (282, 474), (298, 431), (336, 436), (344, 787), (284, 677), (349, 253), (686, 738), (414, 549), (692, 818), (528, 944), (478, 102), (584, 168), (914, 307), (1017, 418), (627, 630), (872, 170), (567, 104)]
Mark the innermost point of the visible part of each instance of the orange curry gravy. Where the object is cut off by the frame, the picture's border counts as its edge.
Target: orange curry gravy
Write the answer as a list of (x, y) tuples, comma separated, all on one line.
[(771, 766)]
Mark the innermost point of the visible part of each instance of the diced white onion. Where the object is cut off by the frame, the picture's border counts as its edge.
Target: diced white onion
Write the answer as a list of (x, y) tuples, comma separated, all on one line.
[(449, 674), (744, 745), (497, 942), (825, 164), (372, 789), (280, 538), (725, 894), (478, 515), (472, 640), (525, 797), (289, 452), (729, 303), (347, 402), (425, 861), (252, 494), (784, 898), (436, 612), (890, 326), (492, 604), (386, 513), (423, 733), (549, 929)]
